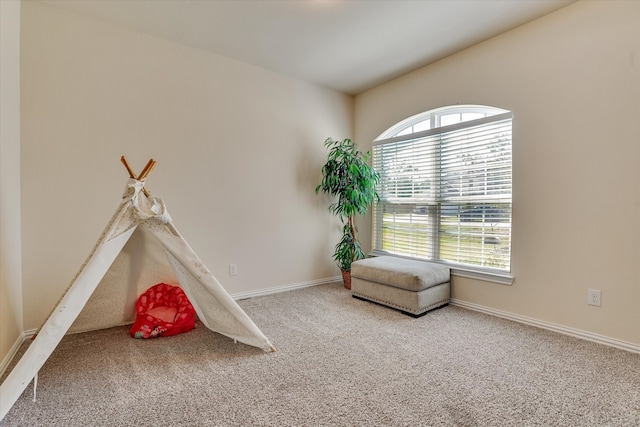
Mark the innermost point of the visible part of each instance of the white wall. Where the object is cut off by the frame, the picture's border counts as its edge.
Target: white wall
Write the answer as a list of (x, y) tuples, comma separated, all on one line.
[(572, 80), (239, 152), (10, 265)]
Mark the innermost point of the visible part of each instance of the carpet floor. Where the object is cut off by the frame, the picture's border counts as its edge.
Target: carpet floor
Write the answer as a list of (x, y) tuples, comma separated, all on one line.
[(340, 362)]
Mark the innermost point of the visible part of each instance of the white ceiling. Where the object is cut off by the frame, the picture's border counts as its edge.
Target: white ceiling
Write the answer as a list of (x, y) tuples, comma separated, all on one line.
[(347, 45)]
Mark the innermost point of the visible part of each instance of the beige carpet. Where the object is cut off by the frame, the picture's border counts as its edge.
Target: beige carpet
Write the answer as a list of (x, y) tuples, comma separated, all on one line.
[(340, 362)]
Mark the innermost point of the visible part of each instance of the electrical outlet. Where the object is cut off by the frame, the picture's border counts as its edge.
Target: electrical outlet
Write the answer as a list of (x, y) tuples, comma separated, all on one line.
[(594, 297), (233, 269)]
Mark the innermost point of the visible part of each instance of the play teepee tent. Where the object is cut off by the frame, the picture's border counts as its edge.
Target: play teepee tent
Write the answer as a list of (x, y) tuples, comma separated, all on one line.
[(139, 247)]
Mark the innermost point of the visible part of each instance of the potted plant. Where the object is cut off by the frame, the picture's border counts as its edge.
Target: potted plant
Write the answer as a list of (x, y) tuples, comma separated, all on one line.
[(347, 176)]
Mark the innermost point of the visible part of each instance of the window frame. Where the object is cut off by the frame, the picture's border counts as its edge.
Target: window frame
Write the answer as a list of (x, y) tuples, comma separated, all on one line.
[(395, 134)]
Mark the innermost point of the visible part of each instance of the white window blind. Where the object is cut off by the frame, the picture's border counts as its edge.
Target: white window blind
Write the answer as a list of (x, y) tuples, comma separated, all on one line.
[(445, 193)]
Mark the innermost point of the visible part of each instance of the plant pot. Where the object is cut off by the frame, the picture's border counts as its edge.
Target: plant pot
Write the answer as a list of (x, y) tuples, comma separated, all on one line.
[(346, 278)]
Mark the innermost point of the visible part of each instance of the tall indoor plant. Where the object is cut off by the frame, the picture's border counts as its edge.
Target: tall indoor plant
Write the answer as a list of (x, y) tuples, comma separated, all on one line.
[(347, 176)]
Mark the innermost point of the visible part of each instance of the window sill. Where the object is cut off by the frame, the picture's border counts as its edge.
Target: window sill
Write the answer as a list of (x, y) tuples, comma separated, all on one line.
[(483, 274), (502, 278)]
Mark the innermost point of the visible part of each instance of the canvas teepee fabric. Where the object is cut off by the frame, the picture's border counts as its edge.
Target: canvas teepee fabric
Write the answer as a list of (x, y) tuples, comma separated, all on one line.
[(139, 247)]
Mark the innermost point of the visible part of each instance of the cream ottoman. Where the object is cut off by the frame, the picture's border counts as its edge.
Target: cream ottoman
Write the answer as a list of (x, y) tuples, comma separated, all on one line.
[(413, 287)]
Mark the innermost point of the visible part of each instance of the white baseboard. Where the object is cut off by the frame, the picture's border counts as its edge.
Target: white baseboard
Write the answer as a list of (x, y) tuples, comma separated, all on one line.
[(14, 350), (577, 333), (277, 289)]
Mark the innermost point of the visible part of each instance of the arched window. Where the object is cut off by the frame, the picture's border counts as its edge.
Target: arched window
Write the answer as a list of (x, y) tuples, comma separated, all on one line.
[(445, 187)]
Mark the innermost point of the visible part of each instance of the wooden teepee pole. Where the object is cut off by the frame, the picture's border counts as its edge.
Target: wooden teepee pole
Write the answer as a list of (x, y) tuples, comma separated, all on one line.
[(147, 169), (126, 165), (143, 175)]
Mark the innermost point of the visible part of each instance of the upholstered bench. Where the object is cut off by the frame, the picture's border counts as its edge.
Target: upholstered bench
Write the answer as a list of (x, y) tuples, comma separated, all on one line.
[(413, 287)]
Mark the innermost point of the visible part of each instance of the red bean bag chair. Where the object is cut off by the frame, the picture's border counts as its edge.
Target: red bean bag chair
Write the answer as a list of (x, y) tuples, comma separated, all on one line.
[(161, 311)]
